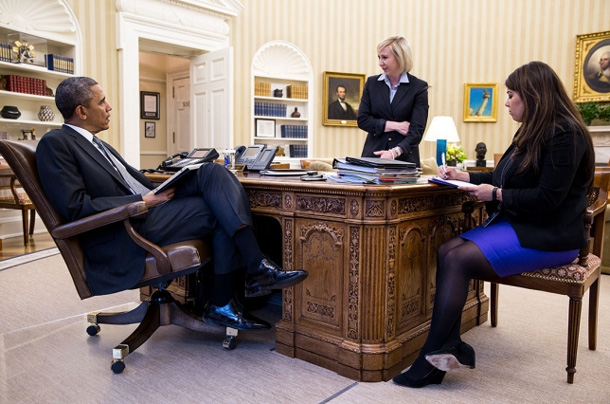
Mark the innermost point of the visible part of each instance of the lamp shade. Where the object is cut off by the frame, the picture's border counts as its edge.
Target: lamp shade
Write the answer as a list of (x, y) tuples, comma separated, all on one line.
[(442, 128)]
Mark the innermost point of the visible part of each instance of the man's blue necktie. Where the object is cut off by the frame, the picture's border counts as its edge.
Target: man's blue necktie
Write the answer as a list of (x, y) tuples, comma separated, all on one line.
[(136, 186)]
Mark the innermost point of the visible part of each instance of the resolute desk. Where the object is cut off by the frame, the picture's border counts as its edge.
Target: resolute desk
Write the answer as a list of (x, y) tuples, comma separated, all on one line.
[(364, 311)]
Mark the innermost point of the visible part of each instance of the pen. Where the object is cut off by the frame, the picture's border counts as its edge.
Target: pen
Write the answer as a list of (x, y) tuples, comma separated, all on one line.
[(444, 165)]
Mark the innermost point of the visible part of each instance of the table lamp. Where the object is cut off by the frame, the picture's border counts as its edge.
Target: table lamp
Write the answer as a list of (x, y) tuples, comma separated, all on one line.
[(443, 130)]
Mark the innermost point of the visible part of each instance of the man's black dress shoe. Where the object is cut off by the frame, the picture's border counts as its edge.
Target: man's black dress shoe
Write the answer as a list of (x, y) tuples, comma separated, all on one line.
[(231, 315), (270, 276), (435, 376), (459, 356)]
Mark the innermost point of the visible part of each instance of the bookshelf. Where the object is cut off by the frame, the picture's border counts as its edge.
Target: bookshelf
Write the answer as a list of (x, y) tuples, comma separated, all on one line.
[(282, 107), (31, 85)]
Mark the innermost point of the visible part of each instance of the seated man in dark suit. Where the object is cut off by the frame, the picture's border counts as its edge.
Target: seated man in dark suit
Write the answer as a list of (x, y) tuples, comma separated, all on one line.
[(82, 175)]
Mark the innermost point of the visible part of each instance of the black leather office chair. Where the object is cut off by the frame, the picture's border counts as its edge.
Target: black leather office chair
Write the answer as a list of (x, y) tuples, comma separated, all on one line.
[(163, 263)]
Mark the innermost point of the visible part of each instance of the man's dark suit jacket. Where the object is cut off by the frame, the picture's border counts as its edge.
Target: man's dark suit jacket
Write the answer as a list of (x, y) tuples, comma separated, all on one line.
[(79, 181), (410, 104)]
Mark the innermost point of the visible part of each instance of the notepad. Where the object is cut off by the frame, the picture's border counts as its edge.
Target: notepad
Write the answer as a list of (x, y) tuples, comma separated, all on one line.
[(450, 183), (171, 181)]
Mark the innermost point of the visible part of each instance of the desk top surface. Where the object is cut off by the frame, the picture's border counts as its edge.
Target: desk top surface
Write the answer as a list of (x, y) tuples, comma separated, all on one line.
[(254, 179)]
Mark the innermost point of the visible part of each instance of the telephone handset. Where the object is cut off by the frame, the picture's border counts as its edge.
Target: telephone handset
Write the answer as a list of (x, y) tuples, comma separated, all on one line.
[(256, 157), (180, 160)]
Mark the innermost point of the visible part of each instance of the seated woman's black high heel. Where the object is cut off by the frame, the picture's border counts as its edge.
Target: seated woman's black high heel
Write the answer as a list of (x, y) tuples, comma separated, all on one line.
[(459, 356), (435, 376)]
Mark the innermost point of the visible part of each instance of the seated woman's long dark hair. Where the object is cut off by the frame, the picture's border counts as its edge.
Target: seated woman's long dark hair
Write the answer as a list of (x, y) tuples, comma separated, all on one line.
[(547, 106)]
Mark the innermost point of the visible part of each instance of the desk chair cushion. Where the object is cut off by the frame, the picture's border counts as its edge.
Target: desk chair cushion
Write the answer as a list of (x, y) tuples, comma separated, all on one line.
[(184, 257), (569, 273)]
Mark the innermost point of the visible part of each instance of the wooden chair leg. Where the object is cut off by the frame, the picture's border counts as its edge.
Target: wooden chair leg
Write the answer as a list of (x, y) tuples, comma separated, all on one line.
[(494, 303), (24, 219), (574, 311), (32, 221), (593, 306)]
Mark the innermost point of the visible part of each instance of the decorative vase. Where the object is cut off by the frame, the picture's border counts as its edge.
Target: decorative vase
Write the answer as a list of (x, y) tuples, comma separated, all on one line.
[(46, 113), (452, 163), (296, 113), (278, 93), (10, 112)]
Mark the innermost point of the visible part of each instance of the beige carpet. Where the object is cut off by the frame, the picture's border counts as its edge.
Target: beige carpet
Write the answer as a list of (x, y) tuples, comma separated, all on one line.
[(46, 356)]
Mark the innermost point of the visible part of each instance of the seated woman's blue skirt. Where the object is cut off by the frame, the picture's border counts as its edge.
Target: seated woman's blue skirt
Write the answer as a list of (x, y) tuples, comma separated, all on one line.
[(501, 247)]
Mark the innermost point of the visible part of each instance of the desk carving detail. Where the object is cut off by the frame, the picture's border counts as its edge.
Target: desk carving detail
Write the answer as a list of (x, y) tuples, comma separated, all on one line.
[(265, 199), (321, 204), (375, 208), (354, 275)]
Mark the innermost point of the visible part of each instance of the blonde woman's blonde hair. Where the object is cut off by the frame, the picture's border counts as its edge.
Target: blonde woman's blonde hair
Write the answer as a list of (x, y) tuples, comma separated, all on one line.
[(401, 50)]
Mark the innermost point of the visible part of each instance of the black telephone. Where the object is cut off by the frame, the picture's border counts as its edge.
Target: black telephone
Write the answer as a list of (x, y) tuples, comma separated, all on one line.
[(180, 160), (256, 157)]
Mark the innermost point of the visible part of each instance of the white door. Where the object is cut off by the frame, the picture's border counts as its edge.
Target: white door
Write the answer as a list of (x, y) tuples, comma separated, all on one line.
[(179, 137), (212, 99)]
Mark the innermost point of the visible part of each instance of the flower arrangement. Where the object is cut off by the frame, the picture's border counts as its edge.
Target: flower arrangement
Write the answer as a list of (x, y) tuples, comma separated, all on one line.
[(455, 154)]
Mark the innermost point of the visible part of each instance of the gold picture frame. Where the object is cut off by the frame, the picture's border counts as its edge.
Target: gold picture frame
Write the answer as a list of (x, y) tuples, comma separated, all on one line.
[(481, 102), (353, 84), (589, 84)]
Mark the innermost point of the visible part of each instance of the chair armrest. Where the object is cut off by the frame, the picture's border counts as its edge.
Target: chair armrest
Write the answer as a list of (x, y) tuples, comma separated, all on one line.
[(98, 220), (122, 213), (596, 208)]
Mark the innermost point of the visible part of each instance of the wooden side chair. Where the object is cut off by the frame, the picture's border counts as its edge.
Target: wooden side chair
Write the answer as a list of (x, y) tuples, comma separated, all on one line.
[(572, 280), (12, 196), (163, 263)]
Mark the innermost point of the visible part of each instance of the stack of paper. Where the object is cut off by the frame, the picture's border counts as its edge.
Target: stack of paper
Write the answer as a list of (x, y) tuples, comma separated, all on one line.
[(375, 171)]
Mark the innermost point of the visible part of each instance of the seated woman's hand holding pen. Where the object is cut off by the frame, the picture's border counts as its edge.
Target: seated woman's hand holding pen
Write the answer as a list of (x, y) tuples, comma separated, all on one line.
[(483, 192)]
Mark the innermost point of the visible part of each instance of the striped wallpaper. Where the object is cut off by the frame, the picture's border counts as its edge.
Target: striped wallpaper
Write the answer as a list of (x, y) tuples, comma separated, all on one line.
[(453, 42)]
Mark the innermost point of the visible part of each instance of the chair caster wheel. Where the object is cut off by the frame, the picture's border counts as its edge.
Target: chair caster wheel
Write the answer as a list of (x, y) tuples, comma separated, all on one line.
[(229, 343), (93, 329), (117, 366)]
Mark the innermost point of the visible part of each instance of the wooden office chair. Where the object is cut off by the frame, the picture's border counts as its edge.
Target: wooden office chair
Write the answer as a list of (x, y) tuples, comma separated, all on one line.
[(12, 196), (163, 264), (572, 280)]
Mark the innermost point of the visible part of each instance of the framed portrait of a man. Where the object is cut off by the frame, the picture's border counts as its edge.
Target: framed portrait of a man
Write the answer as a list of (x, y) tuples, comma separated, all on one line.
[(592, 67), (341, 99)]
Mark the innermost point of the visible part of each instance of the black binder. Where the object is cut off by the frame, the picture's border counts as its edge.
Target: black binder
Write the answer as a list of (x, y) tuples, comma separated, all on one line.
[(377, 162)]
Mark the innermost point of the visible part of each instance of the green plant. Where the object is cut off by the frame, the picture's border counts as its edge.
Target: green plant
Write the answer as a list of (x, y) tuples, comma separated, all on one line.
[(594, 110), (455, 153)]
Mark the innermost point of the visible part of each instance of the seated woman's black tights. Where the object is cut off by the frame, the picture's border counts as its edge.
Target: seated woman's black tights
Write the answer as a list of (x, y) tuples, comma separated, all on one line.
[(458, 261)]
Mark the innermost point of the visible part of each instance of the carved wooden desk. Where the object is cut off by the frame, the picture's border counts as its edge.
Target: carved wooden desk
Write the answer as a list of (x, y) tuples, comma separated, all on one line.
[(364, 310)]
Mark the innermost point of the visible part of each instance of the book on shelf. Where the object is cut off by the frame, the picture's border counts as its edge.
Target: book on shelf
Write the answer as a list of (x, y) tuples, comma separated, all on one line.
[(262, 89), (59, 63), (25, 85), (296, 91), (298, 150), (293, 131), (269, 109)]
